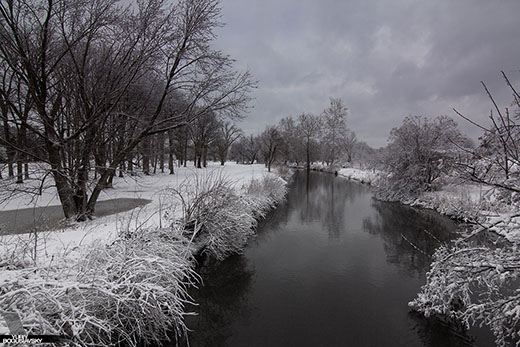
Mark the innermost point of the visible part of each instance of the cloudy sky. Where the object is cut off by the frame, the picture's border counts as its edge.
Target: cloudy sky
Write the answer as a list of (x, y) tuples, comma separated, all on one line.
[(385, 58)]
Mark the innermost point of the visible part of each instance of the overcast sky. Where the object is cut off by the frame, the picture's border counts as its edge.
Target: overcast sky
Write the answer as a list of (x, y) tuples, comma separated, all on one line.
[(385, 58)]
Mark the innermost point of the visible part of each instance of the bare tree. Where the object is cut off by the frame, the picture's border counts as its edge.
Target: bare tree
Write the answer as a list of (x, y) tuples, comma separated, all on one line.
[(203, 132), (349, 143), (57, 46), (246, 149), (419, 152), (334, 130), (310, 127), (495, 160), (270, 141), (228, 133), (291, 147)]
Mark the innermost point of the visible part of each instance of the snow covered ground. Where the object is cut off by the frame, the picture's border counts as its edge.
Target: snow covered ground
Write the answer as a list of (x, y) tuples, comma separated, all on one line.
[(359, 175), (99, 277), (73, 236)]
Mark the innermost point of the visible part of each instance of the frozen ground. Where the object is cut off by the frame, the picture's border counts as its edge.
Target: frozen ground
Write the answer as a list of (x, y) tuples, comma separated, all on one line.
[(70, 237)]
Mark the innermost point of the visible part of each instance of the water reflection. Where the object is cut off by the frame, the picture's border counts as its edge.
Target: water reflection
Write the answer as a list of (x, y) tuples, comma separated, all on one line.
[(221, 300), (318, 197), (410, 235), (329, 267)]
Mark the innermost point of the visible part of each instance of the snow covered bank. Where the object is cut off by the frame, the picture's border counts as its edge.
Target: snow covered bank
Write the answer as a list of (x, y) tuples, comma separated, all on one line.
[(474, 280), (365, 176), (468, 202), (359, 175), (123, 279), (73, 236)]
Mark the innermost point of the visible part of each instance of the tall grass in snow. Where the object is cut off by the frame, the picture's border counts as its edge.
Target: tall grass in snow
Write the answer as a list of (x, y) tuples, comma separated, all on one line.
[(219, 218), (132, 292)]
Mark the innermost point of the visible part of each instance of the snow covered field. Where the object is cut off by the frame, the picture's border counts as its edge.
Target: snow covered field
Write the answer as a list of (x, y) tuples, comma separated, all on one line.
[(72, 236)]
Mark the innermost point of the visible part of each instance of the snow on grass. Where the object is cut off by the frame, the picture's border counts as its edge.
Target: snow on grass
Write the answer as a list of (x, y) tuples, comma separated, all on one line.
[(72, 236), (124, 278), (132, 292), (359, 175)]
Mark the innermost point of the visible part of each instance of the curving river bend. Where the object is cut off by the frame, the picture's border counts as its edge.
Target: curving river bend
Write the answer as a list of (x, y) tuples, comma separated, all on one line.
[(329, 267)]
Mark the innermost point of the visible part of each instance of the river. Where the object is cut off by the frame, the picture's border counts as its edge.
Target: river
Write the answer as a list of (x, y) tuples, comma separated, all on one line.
[(329, 267)]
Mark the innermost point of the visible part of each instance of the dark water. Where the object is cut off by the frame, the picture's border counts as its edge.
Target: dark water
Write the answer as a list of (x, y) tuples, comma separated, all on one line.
[(328, 268)]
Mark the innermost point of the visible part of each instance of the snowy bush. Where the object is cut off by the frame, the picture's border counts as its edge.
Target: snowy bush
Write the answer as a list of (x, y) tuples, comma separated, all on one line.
[(283, 171), (458, 206), (132, 292), (364, 176), (324, 168), (268, 191), (388, 189), (220, 219), (475, 286)]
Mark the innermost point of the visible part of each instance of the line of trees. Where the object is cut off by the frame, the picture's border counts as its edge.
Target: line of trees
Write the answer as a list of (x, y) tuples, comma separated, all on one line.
[(305, 140), (89, 87)]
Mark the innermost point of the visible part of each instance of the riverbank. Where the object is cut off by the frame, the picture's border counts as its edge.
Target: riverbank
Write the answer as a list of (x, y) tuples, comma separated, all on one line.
[(329, 257), (473, 281), (364, 176), (95, 281), (466, 202)]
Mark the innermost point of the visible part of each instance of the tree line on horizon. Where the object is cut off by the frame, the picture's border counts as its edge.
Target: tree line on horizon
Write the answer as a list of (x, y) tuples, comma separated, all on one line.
[(304, 140)]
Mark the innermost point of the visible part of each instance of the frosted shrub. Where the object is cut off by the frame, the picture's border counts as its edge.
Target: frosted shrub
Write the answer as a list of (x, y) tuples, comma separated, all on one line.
[(459, 206), (263, 194), (475, 286), (132, 292), (213, 215), (220, 219), (390, 189)]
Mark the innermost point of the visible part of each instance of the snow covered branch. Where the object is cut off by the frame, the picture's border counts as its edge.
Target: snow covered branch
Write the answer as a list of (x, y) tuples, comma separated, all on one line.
[(220, 218)]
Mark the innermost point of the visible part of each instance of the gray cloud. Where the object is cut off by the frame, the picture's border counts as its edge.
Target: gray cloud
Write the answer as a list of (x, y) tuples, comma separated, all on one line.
[(385, 59)]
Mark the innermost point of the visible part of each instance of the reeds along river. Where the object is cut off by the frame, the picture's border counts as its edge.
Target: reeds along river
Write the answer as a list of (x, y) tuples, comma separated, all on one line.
[(329, 267)]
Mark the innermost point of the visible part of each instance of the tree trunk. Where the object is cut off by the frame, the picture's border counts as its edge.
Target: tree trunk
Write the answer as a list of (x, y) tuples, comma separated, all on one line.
[(65, 191), (170, 152), (205, 156), (19, 168), (110, 180), (10, 167), (185, 147), (308, 155), (131, 165), (8, 145), (145, 148), (121, 169), (161, 151)]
